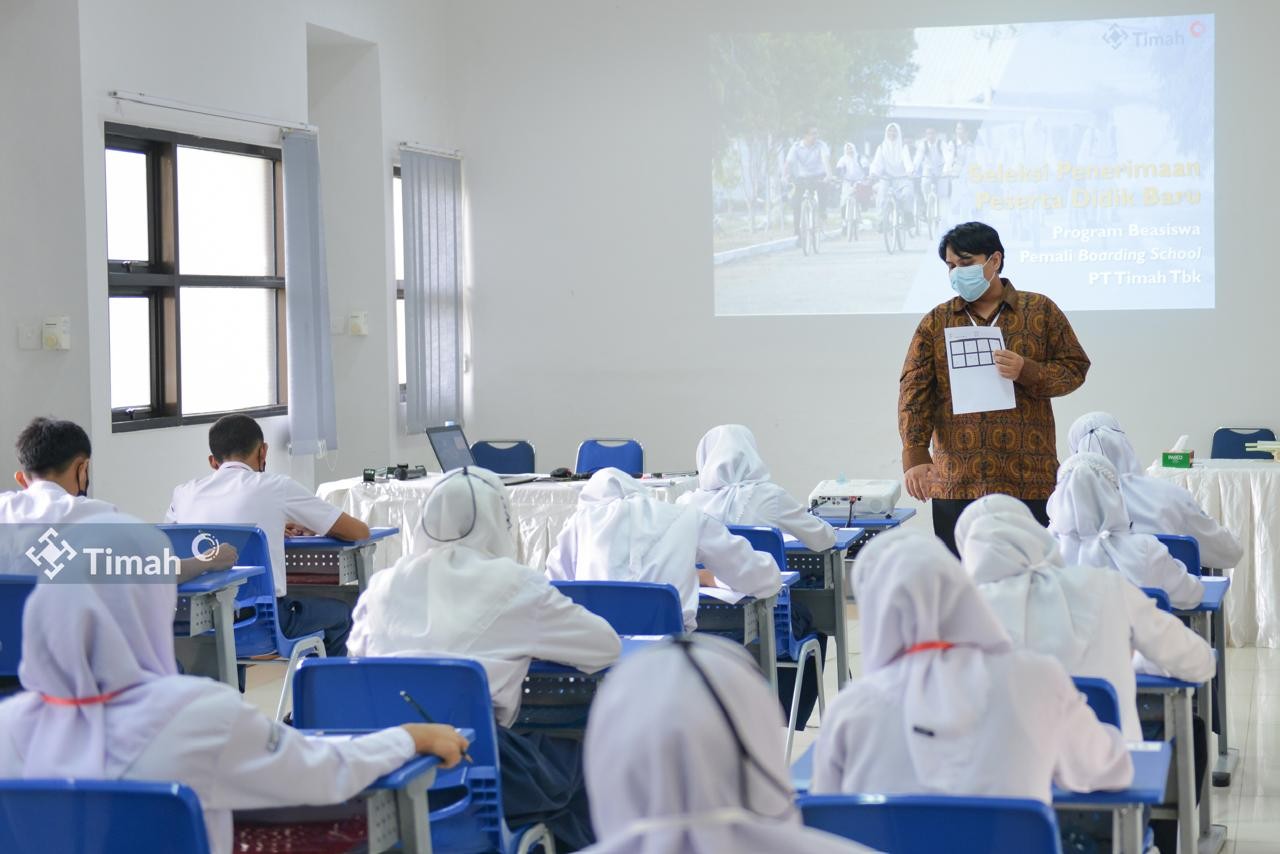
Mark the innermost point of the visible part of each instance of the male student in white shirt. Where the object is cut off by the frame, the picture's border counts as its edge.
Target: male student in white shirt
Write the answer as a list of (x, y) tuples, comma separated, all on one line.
[(241, 492)]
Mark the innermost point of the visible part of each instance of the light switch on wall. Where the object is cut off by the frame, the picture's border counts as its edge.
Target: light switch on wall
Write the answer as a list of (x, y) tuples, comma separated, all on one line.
[(358, 323), (57, 333), (28, 336)]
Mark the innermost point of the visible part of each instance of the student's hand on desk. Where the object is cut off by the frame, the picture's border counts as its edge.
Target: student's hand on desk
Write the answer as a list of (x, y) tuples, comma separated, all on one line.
[(221, 556), (917, 478), (438, 740), (292, 529), (705, 578), (1009, 364)]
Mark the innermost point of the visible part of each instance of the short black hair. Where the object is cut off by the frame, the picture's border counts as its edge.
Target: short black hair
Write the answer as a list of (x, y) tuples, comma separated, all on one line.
[(47, 446), (972, 238), (234, 436)]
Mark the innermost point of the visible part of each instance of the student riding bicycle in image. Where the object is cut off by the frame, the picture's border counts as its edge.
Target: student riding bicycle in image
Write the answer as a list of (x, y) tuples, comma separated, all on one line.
[(893, 168), (807, 167)]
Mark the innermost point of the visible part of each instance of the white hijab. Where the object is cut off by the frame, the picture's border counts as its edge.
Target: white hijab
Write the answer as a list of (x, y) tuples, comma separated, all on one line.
[(1016, 565), (453, 590), (109, 648), (1100, 433), (912, 591), (621, 530), (1088, 516), (891, 152), (729, 470), (664, 773)]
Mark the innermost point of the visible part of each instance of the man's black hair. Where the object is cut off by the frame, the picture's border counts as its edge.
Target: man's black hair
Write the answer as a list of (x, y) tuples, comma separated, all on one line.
[(972, 238), (46, 446), (234, 436)]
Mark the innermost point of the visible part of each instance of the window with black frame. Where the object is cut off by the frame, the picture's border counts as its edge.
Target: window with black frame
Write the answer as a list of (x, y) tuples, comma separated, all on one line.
[(195, 249)]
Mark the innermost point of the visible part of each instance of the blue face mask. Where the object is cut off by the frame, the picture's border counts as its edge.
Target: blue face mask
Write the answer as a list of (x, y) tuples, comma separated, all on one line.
[(969, 282)]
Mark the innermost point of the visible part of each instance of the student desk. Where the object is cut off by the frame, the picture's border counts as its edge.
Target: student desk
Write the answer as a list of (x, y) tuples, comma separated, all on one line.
[(210, 600), (557, 698), (1207, 620), (827, 602), (1151, 761), (875, 522), (1177, 716), (750, 620), (346, 562)]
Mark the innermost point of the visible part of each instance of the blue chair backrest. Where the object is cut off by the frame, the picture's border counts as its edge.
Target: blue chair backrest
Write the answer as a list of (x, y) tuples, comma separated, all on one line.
[(516, 458), (1185, 549), (1101, 697), (629, 607), (769, 541), (14, 590), (100, 817), (1229, 442), (1161, 597), (926, 824), (624, 454), (364, 693), (259, 634)]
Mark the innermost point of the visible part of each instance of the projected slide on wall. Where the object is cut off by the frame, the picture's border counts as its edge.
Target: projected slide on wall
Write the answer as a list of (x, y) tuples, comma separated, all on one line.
[(841, 157)]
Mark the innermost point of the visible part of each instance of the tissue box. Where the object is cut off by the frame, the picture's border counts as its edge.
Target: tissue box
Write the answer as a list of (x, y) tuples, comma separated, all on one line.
[(1177, 459)]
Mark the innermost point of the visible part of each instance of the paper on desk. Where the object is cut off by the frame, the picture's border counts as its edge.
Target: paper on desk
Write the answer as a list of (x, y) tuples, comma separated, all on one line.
[(729, 597), (976, 384)]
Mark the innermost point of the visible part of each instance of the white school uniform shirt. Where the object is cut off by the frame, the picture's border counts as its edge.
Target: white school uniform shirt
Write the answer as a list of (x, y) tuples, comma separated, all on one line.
[(235, 494), (1155, 505), (87, 640), (734, 488), (46, 503), (664, 772), (619, 533), (466, 597), (1089, 520), (1090, 619), (808, 161), (974, 717)]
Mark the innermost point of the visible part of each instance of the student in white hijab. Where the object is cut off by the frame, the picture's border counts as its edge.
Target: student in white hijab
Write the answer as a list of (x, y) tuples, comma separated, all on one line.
[(620, 533), (1088, 518), (734, 487), (945, 704), (683, 757), (1090, 619), (467, 597), (1155, 505), (892, 166), (104, 700)]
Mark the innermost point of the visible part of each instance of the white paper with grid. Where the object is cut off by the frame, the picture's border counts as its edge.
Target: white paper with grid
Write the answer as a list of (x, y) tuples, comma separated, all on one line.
[(976, 384)]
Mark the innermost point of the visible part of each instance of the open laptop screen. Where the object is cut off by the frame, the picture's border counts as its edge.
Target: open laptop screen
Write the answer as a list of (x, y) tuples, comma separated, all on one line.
[(451, 448)]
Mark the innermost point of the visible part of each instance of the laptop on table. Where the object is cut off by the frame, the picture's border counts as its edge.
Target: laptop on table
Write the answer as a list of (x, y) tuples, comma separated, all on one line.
[(453, 451)]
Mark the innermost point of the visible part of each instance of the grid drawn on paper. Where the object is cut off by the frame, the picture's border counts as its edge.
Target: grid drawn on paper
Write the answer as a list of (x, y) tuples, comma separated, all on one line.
[(973, 352)]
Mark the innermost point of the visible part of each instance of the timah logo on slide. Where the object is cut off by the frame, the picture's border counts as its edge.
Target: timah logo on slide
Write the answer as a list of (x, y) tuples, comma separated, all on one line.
[(1115, 36), (204, 546), (53, 556)]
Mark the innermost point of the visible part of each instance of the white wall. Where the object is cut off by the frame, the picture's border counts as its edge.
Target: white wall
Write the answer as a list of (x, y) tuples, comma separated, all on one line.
[(586, 132)]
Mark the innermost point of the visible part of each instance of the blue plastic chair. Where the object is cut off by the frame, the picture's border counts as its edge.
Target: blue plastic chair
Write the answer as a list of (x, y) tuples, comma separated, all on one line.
[(629, 607), (14, 590), (260, 633), (364, 693), (1101, 697), (100, 817), (1161, 597), (1229, 442), (624, 454), (793, 652), (1185, 549), (927, 824), (517, 457)]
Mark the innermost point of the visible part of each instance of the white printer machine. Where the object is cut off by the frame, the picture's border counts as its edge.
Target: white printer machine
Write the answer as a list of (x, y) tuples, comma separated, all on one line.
[(843, 499)]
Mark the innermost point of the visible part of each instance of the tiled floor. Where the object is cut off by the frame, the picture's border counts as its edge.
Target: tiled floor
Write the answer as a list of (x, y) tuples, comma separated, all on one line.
[(1250, 807)]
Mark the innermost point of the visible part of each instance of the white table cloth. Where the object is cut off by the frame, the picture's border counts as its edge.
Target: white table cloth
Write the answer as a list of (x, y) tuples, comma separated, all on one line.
[(1244, 496), (539, 510)]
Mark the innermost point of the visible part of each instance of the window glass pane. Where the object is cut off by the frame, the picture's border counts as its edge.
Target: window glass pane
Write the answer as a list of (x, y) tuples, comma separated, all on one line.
[(228, 340), (226, 214), (130, 321), (401, 372), (127, 206), (397, 218)]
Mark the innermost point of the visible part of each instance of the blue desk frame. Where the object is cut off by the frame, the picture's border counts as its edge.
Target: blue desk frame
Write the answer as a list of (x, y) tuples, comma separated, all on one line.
[(758, 625), (828, 603), (875, 522), (211, 600), (1151, 760), (352, 560), (1177, 715)]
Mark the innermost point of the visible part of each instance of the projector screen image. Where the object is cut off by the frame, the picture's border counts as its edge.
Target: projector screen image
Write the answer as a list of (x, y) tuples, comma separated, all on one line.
[(842, 157)]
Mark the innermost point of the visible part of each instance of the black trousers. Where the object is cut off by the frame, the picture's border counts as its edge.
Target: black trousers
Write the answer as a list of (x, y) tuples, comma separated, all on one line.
[(947, 510)]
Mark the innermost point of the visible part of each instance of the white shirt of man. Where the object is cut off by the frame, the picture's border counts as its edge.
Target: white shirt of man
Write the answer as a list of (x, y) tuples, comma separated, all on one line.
[(44, 502), (808, 161), (235, 494)]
